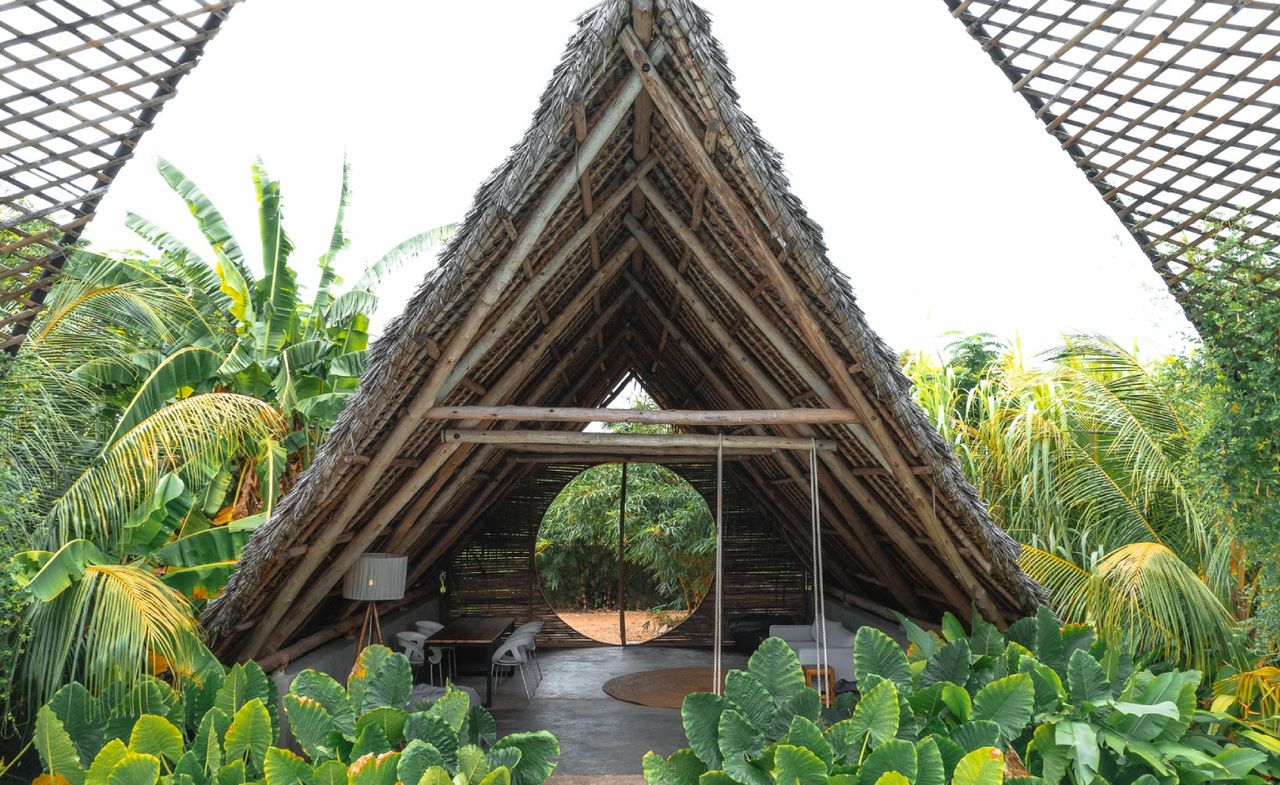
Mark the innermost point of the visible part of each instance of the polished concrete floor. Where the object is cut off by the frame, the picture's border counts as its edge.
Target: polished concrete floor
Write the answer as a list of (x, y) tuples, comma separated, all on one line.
[(598, 734)]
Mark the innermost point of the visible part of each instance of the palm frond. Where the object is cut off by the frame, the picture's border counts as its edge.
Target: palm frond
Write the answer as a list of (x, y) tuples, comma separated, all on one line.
[(196, 434)]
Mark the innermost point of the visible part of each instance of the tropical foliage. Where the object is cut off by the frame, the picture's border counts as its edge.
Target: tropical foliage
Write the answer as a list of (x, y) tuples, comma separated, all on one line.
[(1087, 460), (223, 728), (154, 415), (1038, 704)]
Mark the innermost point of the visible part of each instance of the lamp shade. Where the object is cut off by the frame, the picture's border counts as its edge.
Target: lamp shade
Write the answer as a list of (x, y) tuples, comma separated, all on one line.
[(376, 576)]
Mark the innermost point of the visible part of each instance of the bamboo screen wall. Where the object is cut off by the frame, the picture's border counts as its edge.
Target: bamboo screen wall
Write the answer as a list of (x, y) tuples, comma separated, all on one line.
[(493, 574), (80, 82), (1171, 108)]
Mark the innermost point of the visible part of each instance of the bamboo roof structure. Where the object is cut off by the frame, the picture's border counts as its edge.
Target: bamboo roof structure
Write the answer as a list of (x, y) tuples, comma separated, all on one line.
[(80, 82), (641, 229), (1171, 108)]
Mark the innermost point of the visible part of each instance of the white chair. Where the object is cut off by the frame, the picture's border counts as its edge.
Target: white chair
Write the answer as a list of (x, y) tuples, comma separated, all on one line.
[(441, 656), (512, 655), (411, 644), (531, 630)]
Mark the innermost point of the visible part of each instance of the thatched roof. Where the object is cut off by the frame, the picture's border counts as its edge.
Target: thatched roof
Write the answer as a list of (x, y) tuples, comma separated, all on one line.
[(80, 83), (641, 227), (1172, 111)]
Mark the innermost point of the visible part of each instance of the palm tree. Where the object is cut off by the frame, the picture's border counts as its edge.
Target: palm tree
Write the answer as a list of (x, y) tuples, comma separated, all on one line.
[(151, 420), (1085, 462)]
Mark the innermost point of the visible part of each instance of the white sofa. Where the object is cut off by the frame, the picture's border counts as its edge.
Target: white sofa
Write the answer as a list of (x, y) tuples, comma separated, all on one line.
[(802, 638)]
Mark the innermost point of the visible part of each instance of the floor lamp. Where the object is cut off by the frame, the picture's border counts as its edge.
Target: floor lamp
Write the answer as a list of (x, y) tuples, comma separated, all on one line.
[(374, 578)]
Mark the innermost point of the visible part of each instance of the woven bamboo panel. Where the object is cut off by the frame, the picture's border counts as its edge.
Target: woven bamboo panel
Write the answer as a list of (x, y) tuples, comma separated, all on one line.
[(493, 574), (1171, 108), (80, 82)]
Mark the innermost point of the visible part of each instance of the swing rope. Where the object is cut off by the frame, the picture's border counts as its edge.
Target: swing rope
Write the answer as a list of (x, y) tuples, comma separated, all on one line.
[(717, 685), (819, 595)]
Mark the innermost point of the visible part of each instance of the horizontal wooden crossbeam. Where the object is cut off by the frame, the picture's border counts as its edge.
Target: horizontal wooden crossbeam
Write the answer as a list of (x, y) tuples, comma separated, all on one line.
[(551, 439), (730, 417)]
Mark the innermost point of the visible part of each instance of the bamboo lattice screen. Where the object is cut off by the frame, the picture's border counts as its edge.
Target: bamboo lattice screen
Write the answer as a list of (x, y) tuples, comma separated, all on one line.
[(1171, 108), (80, 82)]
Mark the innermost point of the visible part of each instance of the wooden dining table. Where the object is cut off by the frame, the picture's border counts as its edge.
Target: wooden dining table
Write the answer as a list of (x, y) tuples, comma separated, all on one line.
[(480, 633)]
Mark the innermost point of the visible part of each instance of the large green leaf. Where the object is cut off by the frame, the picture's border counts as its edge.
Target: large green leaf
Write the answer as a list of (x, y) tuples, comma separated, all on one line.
[(311, 725), (775, 665), (471, 763), (46, 575), (436, 775), (1086, 680), (153, 735), (82, 716), (499, 776), (751, 698), (798, 766), (57, 753), (536, 750), (331, 772), (682, 768), (282, 767), (135, 769), (181, 373), (877, 715), (1081, 739), (322, 688), (804, 733), (207, 745), (249, 734), (416, 757), (278, 290), (453, 708), (700, 714), (390, 720), (479, 727), (984, 766), (221, 544), (210, 221), (930, 769), (877, 654), (976, 734), (435, 731), (100, 770), (1007, 702), (948, 663), (371, 769), (372, 740), (740, 742), (894, 755)]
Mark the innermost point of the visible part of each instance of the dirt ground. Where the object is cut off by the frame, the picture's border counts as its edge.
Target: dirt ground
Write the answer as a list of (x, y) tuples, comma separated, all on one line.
[(603, 625)]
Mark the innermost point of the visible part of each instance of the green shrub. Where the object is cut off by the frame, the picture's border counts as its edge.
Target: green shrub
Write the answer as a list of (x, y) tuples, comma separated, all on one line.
[(1039, 704), (222, 729)]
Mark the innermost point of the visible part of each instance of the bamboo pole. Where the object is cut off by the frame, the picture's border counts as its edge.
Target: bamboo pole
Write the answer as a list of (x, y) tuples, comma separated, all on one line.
[(622, 557), (550, 440), (726, 417)]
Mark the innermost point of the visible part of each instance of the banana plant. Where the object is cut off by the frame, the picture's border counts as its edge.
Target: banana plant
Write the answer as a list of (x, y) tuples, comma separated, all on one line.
[(223, 730), (1037, 704)]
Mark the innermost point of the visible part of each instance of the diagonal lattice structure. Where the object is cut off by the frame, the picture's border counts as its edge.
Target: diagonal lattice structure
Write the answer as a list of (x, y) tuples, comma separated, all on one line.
[(1171, 108), (80, 82)]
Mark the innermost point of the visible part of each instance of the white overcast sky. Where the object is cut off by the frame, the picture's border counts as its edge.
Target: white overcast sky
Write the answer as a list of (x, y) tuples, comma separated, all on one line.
[(941, 195)]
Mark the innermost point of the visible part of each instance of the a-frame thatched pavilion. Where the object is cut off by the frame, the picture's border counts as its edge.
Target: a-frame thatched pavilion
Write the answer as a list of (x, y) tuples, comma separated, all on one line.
[(641, 229)]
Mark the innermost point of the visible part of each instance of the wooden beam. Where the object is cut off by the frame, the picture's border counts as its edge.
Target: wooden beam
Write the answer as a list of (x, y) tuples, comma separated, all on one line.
[(728, 417), (794, 303), (667, 459), (547, 440)]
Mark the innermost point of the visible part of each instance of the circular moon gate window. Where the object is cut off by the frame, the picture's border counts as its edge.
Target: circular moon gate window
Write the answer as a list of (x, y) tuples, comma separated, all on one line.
[(667, 552)]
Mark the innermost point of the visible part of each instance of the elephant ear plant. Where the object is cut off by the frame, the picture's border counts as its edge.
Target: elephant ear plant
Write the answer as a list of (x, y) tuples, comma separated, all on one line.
[(1038, 704), (223, 730)]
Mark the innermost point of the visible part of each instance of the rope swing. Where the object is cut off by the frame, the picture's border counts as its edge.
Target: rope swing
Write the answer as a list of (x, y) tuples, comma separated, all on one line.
[(717, 682), (819, 595)]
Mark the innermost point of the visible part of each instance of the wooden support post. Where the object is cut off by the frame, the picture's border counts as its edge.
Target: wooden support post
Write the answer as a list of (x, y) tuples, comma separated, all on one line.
[(622, 558)]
